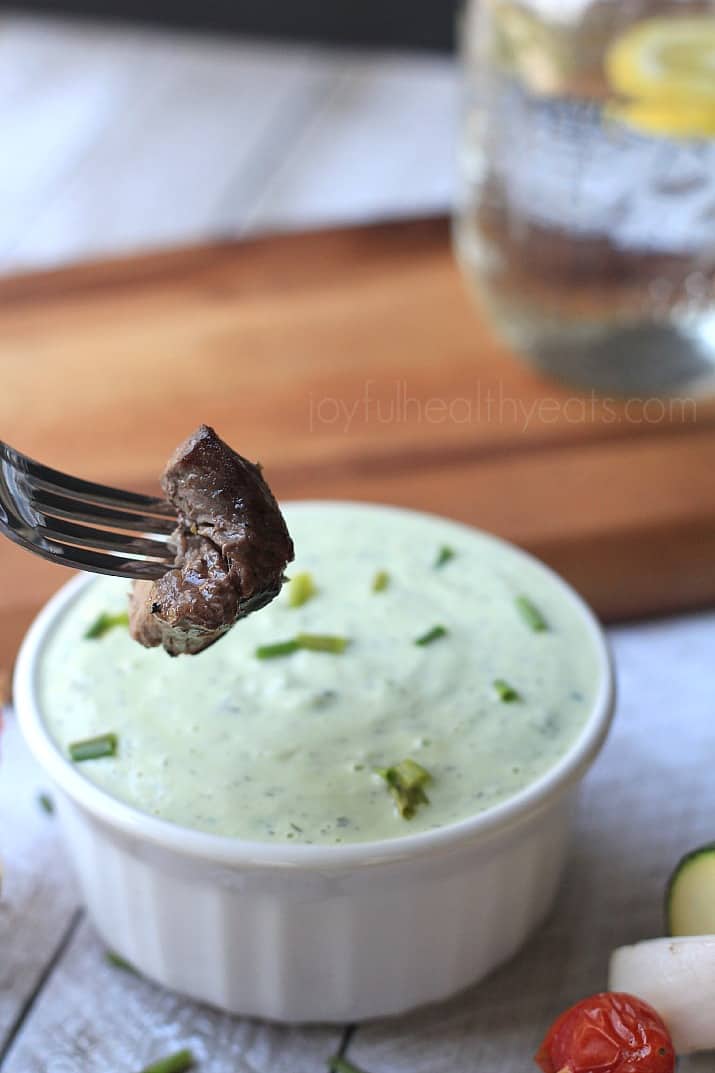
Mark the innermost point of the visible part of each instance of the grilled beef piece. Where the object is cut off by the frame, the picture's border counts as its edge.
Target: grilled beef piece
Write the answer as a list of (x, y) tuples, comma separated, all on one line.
[(231, 546)]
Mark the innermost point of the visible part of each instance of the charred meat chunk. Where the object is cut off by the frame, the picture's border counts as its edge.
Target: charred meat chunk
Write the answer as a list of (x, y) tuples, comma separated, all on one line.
[(231, 547)]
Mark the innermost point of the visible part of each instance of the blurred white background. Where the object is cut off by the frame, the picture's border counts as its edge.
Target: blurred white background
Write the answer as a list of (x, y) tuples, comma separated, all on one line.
[(122, 138)]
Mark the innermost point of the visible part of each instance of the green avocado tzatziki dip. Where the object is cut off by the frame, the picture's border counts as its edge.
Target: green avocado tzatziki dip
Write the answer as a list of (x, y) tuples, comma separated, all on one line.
[(412, 673)]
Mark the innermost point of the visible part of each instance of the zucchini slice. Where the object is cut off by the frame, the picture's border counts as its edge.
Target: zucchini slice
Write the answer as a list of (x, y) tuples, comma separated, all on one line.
[(690, 894)]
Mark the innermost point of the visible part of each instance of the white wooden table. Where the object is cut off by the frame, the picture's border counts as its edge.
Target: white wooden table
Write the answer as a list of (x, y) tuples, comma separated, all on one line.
[(115, 141), (63, 1009)]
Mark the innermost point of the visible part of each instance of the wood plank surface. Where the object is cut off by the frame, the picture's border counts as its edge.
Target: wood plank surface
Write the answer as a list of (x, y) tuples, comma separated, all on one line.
[(138, 1023), (39, 900), (52, 966), (352, 364)]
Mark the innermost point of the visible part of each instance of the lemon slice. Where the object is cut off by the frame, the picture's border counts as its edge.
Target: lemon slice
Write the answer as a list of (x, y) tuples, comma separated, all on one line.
[(664, 67), (665, 58), (676, 120)]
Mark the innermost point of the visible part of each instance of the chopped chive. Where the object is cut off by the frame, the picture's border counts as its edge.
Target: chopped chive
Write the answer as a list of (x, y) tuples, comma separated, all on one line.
[(336, 1064), (504, 691), (313, 642), (46, 803), (280, 648), (380, 581), (321, 642), (119, 962), (432, 635), (104, 623), (406, 782), (531, 614), (94, 748), (300, 589), (175, 1063), (444, 554)]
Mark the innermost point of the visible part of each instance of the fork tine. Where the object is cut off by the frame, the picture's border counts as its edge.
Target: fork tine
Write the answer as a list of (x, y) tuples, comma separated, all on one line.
[(25, 518), (63, 532), (84, 559), (90, 492), (25, 485), (58, 506)]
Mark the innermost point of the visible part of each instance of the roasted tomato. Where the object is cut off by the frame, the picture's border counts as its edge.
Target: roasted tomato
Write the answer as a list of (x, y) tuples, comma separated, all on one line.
[(607, 1033)]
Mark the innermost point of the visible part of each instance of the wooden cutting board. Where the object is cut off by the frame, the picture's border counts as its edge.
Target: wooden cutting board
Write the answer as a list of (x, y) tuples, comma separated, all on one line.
[(352, 364)]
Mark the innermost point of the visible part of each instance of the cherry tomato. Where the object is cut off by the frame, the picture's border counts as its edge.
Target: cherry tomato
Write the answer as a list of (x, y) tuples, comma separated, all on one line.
[(607, 1033)]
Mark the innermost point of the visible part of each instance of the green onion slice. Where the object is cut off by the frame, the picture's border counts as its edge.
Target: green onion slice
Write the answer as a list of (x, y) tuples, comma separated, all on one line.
[(280, 648), (531, 614), (301, 588), (313, 642), (406, 782), (380, 581), (46, 803), (94, 748), (342, 1065), (104, 623), (444, 555), (119, 962), (432, 635), (322, 642), (505, 691), (174, 1063)]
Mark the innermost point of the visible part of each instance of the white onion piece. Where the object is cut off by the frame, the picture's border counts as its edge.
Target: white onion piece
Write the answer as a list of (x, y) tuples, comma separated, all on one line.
[(677, 977)]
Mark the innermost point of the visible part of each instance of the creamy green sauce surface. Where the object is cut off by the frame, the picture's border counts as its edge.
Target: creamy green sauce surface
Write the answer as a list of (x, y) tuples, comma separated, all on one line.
[(285, 749)]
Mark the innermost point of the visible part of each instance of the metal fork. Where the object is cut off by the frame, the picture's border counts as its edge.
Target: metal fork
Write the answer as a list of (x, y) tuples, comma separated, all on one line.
[(81, 524)]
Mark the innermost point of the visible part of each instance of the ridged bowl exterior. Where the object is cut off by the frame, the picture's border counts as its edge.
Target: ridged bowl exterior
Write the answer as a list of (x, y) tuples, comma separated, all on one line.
[(338, 945)]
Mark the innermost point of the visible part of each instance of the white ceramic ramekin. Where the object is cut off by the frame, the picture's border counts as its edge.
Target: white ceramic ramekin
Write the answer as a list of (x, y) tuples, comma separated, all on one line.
[(314, 933)]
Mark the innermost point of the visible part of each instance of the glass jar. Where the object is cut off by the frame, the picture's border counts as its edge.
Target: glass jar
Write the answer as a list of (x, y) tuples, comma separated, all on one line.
[(586, 211)]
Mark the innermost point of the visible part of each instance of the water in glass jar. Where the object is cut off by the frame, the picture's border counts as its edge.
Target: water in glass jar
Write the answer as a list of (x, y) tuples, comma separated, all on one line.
[(587, 211)]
